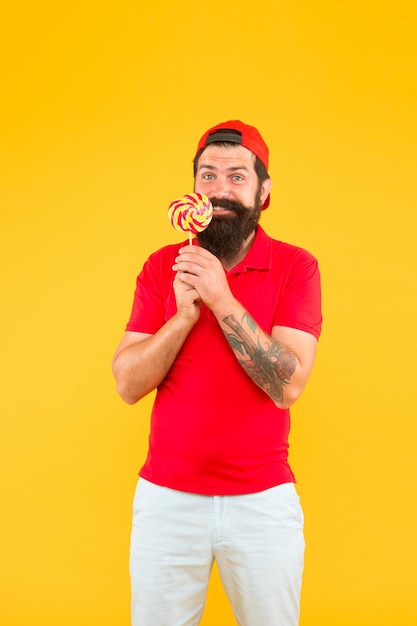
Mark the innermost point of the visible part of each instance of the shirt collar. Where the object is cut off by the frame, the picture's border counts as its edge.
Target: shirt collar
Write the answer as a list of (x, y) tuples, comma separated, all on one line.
[(259, 255)]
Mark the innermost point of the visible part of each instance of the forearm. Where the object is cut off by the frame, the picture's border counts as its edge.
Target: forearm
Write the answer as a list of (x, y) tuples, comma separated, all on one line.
[(141, 366), (270, 365)]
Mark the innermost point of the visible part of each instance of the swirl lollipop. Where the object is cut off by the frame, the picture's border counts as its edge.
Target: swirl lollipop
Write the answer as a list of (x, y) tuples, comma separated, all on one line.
[(192, 213)]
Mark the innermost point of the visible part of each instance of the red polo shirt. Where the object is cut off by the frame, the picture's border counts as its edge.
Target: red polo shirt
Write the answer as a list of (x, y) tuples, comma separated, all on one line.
[(213, 431)]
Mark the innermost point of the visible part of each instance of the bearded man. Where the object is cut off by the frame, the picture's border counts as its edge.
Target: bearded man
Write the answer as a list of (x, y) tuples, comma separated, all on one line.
[(226, 330)]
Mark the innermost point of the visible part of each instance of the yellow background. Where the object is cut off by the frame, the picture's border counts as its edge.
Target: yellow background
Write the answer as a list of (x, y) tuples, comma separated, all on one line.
[(101, 110)]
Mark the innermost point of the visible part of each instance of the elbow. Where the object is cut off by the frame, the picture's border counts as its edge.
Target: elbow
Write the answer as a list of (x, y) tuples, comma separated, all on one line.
[(130, 400), (124, 388), (284, 406), (130, 388), (123, 384), (126, 394), (290, 397)]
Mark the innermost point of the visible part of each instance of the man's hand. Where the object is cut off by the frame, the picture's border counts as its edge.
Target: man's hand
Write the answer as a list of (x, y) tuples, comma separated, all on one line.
[(204, 275), (187, 298)]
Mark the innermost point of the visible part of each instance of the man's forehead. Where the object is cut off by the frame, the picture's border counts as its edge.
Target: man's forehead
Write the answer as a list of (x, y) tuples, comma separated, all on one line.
[(227, 157)]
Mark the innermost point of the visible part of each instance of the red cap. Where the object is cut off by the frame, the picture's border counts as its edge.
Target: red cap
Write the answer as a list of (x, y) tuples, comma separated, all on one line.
[(242, 134)]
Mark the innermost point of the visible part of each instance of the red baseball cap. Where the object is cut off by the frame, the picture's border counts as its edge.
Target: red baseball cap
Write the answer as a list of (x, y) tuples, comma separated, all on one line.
[(242, 134)]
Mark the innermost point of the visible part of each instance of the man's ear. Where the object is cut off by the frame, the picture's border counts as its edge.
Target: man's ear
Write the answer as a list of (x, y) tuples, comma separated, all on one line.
[(265, 190)]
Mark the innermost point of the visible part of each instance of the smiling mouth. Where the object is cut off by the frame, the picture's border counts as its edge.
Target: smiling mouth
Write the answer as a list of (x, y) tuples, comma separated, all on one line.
[(219, 209)]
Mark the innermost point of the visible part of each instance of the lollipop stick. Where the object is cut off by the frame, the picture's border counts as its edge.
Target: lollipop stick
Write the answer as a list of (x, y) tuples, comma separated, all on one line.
[(190, 238)]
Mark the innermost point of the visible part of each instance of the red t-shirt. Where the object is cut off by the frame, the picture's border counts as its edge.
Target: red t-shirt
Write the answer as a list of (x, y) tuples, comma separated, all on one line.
[(213, 430)]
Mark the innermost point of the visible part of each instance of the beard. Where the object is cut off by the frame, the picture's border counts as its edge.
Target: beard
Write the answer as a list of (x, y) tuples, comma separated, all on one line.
[(226, 234)]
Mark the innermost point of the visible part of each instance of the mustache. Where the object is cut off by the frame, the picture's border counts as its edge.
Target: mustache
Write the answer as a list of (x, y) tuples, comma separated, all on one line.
[(230, 205)]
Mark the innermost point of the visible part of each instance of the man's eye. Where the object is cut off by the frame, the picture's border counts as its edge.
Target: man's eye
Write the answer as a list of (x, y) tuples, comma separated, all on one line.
[(208, 177), (237, 177)]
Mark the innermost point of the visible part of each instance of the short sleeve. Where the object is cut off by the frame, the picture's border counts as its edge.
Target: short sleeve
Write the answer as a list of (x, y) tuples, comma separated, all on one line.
[(299, 305), (153, 294)]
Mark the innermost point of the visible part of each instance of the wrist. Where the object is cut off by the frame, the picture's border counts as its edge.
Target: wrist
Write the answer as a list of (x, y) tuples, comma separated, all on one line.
[(184, 319), (225, 307)]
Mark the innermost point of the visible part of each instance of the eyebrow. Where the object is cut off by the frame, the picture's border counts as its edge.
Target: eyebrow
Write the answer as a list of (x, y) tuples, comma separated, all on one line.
[(229, 169)]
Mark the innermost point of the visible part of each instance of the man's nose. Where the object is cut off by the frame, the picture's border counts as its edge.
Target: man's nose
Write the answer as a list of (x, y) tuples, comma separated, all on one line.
[(221, 188)]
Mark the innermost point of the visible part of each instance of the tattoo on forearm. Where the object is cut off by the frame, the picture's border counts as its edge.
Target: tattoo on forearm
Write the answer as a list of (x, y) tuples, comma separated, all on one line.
[(267, 362)]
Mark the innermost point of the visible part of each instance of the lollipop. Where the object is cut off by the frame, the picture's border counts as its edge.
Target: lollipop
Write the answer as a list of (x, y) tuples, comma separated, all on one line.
[(191, 213)]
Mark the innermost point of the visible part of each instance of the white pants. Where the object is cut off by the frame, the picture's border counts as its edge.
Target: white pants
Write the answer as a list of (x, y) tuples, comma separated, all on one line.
[(256, 539)]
